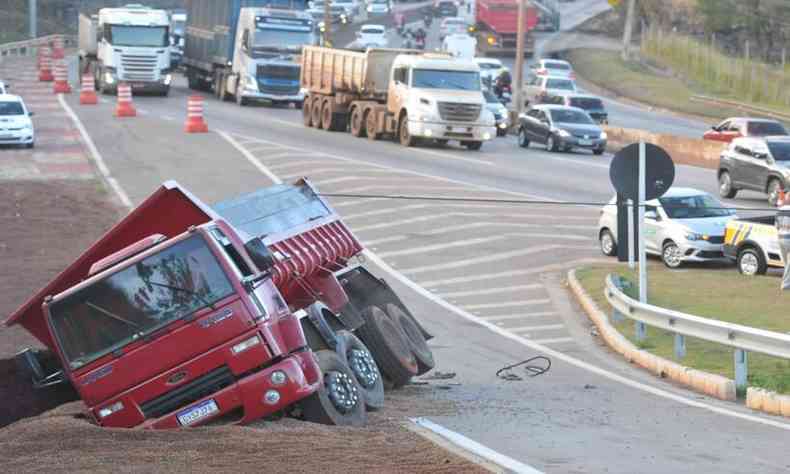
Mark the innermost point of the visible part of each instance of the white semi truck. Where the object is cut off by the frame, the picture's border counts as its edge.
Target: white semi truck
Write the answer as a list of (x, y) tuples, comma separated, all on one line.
[(130, 45)]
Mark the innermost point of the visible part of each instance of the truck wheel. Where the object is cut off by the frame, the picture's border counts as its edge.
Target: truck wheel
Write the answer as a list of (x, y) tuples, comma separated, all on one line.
[(338, 400), (474, 146), (240, 100), (307, 112), (370, 126), (773, 189), (417, 343), (358, 358), (357, 122), (725, 186), (442, 142), (315, 113), (328, 116), (403, 133), (389, 345), (751, 262)]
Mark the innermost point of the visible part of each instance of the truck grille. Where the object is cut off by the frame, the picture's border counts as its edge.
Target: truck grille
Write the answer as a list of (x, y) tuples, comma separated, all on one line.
[(188, 393), (279, 89), (455, 112), (138, 68)]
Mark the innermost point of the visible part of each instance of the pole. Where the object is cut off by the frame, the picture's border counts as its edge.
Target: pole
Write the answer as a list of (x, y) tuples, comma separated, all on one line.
[(641, 218), (33, 17), (327, 34), (631, 264), (629, 26), (519, 72)]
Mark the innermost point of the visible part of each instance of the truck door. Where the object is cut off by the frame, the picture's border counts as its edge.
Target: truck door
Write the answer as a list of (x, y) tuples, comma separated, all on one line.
[(399, 87)]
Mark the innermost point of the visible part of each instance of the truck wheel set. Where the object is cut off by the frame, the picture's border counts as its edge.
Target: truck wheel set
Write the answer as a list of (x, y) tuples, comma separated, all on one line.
[(246, 309)]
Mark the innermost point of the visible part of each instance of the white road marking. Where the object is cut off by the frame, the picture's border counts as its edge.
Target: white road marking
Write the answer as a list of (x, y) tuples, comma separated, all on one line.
[(545, 327), (448, 245), (356, 202), (490, 291), (280, 154), (253, 161), (340, 179), (552, 340), (388, 210), (393, 238), (506, 317), (448, 156), (339, 169), (168, 118), (291, 164), (405, 186), (492, 257), (94, 152), (384, 225), (507, 304)]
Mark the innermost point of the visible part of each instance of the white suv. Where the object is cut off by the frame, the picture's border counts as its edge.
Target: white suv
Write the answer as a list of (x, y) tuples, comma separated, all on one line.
[(16, 128)]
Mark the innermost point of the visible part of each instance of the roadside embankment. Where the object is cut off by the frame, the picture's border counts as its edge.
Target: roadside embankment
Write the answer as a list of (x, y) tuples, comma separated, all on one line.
[(684, 151)]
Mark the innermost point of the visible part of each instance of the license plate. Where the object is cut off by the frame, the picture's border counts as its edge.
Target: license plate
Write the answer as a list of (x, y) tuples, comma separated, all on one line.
[(585, 142), (6, 137), (198, 412), (137, 85)]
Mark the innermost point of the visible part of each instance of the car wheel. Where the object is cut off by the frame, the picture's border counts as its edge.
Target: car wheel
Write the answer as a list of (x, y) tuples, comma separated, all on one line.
[(671, 255), (551, 143), (608, 244), (598, 151), (725, 186), (523, 141), (751, 262), (774, 187)]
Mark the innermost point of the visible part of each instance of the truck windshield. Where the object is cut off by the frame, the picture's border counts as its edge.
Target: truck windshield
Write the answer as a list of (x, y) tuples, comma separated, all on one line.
[(283, 38), (693, 207), (141, 36), (138, 300), (437, 79), (780, 150)]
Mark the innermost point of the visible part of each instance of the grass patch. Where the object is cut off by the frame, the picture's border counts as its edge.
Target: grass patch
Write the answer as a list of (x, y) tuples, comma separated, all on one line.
[(639, 82), (717, 294)]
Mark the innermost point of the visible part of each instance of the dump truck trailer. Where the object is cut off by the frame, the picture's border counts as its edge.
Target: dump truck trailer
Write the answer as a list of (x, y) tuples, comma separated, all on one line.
[(409, 94), (184, 313), (496, 27)]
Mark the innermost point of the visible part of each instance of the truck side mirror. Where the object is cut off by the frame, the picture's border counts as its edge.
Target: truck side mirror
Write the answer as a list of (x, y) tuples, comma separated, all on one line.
[(260, 254)]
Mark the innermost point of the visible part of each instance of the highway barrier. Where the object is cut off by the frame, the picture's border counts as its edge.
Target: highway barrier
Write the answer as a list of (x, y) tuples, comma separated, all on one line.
[(125, 107), (31, 46), (61, 78), (45, 65), (88, 90), (746, 108), (684, 151), (58, 48), (195, 122)]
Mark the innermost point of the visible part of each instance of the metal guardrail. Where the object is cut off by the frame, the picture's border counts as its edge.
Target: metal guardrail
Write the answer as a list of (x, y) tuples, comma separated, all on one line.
[(741, 338), (27, 47), (742, 106)]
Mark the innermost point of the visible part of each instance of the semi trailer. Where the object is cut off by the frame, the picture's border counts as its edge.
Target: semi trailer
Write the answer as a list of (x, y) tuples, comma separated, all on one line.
[(185, 314), (412, 95)]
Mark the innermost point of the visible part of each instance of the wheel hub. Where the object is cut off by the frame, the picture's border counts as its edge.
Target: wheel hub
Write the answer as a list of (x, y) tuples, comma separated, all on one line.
[(342, 392), (672, 255), (364, 367), (749, 264)]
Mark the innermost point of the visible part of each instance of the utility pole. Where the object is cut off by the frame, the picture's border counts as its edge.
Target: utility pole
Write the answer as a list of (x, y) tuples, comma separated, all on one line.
[(518, 77), (629, 25), (327, 33), (33, 17)]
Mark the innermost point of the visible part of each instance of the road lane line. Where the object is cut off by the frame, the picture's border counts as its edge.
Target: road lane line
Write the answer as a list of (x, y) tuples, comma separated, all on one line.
[(290, 164), (507, 317), (494, 257), (384, 225), (552, 340), (394, 238), (508, 304), (356, 202), (95, 155), (545, 327), (448, 245), (402, 186), (490, 291), (249, 156), (388, 210), (476, 448)]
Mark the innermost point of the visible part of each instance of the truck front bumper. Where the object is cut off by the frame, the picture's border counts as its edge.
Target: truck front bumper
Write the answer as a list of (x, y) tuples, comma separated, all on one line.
[(249, 393), (252, 95), (451, 131)]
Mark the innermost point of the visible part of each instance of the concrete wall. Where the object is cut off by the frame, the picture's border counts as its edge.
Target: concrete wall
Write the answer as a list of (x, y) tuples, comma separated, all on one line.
[(684, 151)]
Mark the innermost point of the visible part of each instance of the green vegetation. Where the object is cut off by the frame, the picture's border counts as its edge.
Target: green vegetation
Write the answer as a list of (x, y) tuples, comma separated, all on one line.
[(721, 294)]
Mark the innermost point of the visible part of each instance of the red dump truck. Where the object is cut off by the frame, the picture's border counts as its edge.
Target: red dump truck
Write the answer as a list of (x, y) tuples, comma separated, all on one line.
[(185, 313), (496, 26)]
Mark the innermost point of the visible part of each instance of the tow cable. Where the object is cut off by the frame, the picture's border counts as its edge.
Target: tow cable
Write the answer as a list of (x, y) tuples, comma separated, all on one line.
[(532, 370)]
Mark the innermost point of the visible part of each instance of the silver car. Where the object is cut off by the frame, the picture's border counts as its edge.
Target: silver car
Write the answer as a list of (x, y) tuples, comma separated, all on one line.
[(685, 225)]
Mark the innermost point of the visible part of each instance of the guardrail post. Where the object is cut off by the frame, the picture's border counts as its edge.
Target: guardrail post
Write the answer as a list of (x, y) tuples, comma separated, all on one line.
[(741, 368), (640, 331), (617, 316), (680, 346)]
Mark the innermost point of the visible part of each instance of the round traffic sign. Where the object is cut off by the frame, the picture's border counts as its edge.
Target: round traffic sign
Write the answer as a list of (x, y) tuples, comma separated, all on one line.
[(659, 171)]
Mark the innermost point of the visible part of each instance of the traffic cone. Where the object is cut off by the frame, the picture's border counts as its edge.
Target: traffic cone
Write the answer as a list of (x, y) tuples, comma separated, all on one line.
[(88, 91), (781, 198), (58, 51), (195, 122), (61, 78), (125, 108), (45, 67)]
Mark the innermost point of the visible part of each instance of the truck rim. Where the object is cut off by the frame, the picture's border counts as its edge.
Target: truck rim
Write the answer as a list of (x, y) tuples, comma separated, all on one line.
[(749, 264), (364, 367), (341, 390)]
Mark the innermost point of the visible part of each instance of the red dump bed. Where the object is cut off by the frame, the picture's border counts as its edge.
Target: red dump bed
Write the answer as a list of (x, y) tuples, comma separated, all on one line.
[(305, 234), (501, 16)]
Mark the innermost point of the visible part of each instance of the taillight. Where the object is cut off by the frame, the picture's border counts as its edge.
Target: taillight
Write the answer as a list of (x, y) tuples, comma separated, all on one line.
[(542, 72)]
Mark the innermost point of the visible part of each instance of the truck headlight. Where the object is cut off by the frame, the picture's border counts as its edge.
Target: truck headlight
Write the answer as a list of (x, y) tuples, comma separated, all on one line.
[(370, 8), (245, 344), (603, 136), (693, 236), (168, 79), (109, 410), (251, 83)]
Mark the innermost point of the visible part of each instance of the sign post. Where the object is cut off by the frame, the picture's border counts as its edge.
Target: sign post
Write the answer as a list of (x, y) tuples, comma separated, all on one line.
[(642, 251)]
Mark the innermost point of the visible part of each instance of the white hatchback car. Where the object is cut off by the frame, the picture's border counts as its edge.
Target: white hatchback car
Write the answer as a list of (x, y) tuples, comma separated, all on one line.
[(684, 225), (372, 36), (16, 128)]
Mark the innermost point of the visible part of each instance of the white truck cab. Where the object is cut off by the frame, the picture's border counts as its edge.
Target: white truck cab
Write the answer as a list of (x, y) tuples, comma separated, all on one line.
[(442, 99), (129, 44)]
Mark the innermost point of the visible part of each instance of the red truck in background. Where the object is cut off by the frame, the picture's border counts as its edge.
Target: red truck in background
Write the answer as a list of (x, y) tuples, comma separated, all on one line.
[(184, 313), (496, 27)]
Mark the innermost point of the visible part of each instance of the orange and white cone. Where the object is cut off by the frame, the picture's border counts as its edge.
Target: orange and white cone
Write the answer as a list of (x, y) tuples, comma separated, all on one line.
[(45, 66), (195, 122), (61, 78), (125, 108), (88, 91), (58, 51)]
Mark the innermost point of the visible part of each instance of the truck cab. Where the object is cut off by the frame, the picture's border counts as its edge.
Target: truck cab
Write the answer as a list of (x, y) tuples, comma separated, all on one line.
[(264, 67), (439, 97), (129, 44), (178, 21)]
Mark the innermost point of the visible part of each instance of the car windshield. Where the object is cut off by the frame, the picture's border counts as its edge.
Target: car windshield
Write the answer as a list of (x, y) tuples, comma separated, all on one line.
[(558, 66), (11, 108), (138, 300), (438, 79), (764, 129), (570, 116), (693, 207), (372, 30), (780, 150), (586, 103), (561, 84), (150, 36)]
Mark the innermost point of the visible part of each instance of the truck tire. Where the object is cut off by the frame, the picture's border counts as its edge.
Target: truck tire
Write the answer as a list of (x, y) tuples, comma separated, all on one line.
[(389, 345), (307, 112), (357, 122), (327, 115), (338, 400), (417, 343), (315, 113), (403, 132), (371, 130), (751, 262), (473, 146), (357, 357)]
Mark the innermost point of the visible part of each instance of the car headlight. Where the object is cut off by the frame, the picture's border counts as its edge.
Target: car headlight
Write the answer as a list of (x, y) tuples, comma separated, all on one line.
[(563, 133), (693, 236), (603, 136)]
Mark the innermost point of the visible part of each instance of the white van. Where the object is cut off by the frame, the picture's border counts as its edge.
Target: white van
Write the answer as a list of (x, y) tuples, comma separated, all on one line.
[(460, 45)]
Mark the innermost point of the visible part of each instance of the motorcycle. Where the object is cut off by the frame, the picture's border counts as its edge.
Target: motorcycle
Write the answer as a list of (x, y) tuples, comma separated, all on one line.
[(505, 98), (420, 42)]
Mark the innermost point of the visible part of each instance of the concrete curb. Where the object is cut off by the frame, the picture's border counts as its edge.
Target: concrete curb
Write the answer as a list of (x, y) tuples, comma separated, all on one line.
[(712, 385), (766, 401)]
